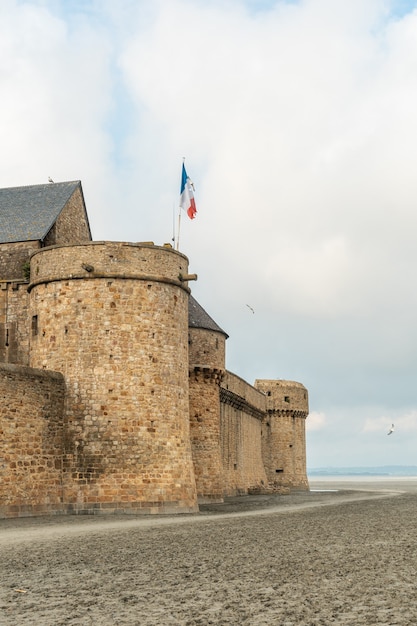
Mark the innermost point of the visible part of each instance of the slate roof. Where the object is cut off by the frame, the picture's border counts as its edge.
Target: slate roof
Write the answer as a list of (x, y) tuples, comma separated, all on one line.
[(28, 213), (198, 318)]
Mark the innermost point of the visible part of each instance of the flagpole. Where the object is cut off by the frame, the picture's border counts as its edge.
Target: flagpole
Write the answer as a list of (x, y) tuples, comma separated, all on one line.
[(173, 224), (177, 247), (179, 228)]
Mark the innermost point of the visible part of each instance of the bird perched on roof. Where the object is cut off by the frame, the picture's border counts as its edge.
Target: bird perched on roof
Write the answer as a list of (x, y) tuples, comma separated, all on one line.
[(391, 430), (50, 180)]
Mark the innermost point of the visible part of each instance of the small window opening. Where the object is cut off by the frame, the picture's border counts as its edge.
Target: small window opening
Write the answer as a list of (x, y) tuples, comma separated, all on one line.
[(34, 324), (287, 399)]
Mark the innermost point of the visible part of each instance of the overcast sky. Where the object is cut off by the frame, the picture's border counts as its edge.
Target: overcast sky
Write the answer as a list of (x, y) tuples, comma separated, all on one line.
[(298, 124)]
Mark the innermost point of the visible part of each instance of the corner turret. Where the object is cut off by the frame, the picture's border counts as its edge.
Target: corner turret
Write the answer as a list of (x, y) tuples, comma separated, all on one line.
[(283, 433)]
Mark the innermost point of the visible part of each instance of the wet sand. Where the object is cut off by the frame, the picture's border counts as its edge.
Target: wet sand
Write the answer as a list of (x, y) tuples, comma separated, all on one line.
[(345, 557)]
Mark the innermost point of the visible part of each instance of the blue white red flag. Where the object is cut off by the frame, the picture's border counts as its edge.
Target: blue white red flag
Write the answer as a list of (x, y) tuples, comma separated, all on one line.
[(187, 201)]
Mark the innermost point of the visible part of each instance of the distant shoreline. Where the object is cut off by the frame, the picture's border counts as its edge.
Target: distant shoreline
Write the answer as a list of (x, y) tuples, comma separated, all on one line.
[(386, 471), (360, 475), (357, 482)]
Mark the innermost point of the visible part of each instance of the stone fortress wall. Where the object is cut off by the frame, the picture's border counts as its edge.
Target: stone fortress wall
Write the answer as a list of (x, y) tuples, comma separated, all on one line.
[(32, 439), (243, 411), (110, 399)]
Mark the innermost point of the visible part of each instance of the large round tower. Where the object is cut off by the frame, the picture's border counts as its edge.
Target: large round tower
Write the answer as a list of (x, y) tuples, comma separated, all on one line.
[(283, 433), (113, 318)]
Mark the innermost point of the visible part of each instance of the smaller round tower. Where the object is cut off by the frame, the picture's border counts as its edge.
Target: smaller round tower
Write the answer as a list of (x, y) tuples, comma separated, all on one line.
[(206, 364), (283, 433)]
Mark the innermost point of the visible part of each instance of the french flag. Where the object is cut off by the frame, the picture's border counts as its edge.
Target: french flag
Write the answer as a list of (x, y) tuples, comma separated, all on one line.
[(187, 201)]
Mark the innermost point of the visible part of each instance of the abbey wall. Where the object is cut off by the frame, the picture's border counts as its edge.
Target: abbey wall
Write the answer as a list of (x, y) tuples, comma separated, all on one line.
[(114, 391)]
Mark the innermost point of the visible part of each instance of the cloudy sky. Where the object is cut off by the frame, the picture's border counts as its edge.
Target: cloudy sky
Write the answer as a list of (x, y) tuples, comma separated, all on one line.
[(297, 120)]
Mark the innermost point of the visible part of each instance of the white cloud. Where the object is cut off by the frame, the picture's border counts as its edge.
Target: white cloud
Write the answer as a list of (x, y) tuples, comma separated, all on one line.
[(404, 423), (315, 421), (56, 96), (293, 122), (298, 123)]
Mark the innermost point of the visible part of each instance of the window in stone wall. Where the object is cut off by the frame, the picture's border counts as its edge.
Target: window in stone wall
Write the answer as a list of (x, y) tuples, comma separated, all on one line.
[(34, 325)]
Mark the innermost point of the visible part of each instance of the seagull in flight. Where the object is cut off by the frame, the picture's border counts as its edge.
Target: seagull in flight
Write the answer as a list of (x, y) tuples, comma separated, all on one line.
[(249, 307), (391, 430)]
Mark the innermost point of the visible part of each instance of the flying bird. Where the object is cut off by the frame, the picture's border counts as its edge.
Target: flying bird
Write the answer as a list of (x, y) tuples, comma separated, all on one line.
[(249, 307), (50, 179), (391, 430)]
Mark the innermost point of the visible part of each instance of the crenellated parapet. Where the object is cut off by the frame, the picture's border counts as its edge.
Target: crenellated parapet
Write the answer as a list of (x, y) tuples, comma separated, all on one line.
[(241, 404), (201, 374)]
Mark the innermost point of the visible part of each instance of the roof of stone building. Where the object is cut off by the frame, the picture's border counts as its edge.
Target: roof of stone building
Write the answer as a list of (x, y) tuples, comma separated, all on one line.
[(199, 318), (28, 213)]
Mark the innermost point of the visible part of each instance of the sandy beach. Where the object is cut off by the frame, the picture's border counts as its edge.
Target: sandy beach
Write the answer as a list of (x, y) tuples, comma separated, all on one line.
[(345, 553)]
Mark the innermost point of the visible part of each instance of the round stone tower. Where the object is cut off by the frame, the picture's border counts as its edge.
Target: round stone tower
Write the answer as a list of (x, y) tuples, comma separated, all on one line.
[(283, 433), (113, 318), (207, 364)]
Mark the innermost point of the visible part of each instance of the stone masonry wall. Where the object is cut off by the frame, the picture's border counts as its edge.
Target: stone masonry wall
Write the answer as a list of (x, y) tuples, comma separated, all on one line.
[(113, 318), (242, 410), (13, 258), (71, 226), (207, 348), (31, 433), (109, 259), (14, 325)]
